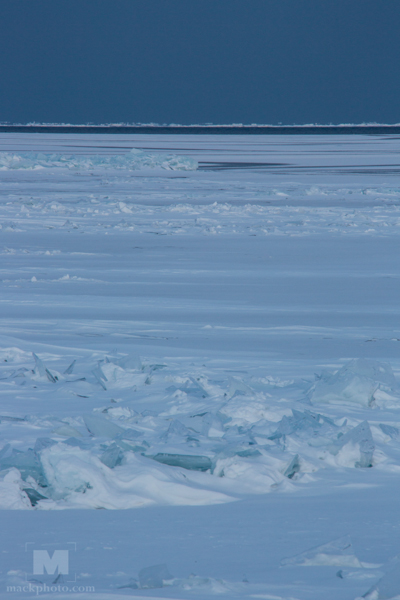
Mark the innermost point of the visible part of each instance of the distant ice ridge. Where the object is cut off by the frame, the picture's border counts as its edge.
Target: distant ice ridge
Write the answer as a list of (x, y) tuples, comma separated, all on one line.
[(134, 160)]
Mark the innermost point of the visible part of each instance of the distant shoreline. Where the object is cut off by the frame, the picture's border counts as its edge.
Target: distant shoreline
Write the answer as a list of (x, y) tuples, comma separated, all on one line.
[(208, 129)]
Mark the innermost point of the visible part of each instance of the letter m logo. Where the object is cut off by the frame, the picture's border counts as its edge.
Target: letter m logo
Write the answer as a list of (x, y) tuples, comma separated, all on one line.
[(42, 562)]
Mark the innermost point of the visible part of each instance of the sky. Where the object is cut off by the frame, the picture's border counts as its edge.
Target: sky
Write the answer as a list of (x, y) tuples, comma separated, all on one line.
[(200, 61)]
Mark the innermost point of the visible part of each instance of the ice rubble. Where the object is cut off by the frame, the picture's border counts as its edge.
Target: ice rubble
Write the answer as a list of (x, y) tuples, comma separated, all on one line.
[(133, 160), (79, 479), (158, 576), (199, 441), (360, 382)]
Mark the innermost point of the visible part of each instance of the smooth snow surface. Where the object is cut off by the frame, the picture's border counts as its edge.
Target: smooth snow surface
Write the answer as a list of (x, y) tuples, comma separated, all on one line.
[(203, 331)]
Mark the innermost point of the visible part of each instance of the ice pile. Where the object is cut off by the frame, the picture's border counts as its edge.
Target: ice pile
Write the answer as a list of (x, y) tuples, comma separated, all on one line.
[(362, 381), (158, 576), (144, 432), (133, 160)]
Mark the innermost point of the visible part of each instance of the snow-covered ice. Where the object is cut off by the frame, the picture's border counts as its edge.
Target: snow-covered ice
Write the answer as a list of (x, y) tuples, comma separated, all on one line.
[(204, 332)]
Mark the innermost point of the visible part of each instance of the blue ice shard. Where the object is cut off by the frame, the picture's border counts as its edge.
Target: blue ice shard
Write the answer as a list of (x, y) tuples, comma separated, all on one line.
[(101, 427), (154, 577), (293, 467), (69, 370), (27, 463), (42, 370), (176, 432), (389, 430), (185, 461), (112, 457), (361, 436), (34, 496), (99, 376)]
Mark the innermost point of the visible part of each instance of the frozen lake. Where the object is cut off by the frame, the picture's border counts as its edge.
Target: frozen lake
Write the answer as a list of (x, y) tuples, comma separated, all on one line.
[(232, 307)]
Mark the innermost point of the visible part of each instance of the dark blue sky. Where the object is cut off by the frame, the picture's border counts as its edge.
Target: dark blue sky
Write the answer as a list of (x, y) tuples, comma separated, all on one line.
[(198, 61)]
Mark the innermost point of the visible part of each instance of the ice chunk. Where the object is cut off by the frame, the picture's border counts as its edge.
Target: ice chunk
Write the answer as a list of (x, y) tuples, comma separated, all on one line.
[(69, 370), (286, 427), (132, 363), (78, 443), (248, 452), (131, 447), (231, 451), (377, 371), (389, 430), (357, 381), (195, 389), (81, 480), (124, 412), (176, 431), (156, 367), (130, 434), (185, 461), (338, 553), (100, 377), (206, 423), (27, 463), (67, 431), (244, 411), (132, 584), (293, 467), (34, 496), (358, 436), (239, 434), (112, 456), (301, 422), (250, 476), (388, 587), (101, 427), (19, 376), (12, 496), (11, 419), (5, 449), (369, 572), (42, 370), (238, 387), (191, 387), (117, 377), (154, 577), (263, 429), (212, 426), (42, 443), (345, 387)]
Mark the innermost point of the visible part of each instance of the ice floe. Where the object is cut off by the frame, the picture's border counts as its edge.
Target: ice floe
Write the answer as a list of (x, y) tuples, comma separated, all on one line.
[(133, 160)]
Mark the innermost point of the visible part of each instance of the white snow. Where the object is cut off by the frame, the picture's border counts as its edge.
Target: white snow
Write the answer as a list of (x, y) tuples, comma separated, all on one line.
[(203, 331)]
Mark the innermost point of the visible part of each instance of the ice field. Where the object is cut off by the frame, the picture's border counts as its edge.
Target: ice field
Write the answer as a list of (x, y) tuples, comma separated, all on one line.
[(200, 339)]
